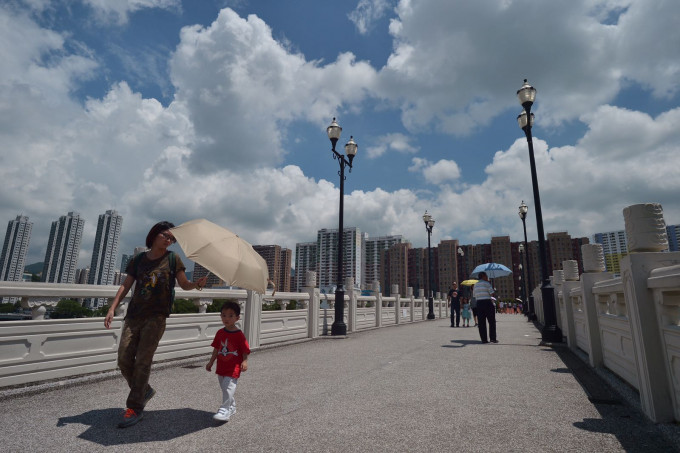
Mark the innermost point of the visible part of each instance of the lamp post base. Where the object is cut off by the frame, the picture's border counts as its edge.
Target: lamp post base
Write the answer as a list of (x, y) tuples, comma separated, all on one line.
[(551, 334), (430, 307), (339, 327)]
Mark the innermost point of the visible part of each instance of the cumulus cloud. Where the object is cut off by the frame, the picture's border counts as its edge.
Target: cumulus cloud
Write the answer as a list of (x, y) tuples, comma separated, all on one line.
[(437, 173), (216, 150), (367, 12), (242, 87), (396, 142), (118, 11), (456, 65)]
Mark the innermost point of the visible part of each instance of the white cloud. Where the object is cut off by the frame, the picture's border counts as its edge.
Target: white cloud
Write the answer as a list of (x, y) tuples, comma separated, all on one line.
[(215, 150), (367, 12), (117, 11), (396, 142), (456, 65), (437, 173), (249, 87)]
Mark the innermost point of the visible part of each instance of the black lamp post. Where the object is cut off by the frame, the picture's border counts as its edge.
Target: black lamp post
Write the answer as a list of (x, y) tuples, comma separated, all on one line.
[(522, 276), (339, 327), (531, 314), (429, 224), (551, 332)]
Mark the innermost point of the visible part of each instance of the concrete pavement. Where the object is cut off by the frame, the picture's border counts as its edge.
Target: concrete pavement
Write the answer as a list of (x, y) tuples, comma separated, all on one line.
[(417, 387)]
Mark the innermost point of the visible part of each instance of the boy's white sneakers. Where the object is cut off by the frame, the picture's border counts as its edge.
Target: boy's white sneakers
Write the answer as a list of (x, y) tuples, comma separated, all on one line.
[(222, 415)]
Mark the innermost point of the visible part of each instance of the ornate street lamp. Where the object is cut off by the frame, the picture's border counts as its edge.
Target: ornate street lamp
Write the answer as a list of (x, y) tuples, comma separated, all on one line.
[(522, 277), (339, 327), (551, 332), (531, 314), (429, 224)]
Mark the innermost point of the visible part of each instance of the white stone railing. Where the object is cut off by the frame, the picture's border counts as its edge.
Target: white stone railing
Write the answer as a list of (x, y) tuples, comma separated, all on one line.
[(630, 324), (42, 349)]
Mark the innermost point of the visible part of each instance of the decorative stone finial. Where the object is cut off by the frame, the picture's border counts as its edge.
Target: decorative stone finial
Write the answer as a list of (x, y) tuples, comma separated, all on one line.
[(570, 268), (645, 228), (310, 279), (593, 258), (558, 277)]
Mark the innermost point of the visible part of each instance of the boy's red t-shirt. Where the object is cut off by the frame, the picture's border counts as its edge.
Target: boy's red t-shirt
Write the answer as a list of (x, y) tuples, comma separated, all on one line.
[(231, 346)]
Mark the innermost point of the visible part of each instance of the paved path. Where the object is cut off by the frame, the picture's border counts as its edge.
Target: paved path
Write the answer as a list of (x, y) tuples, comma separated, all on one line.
[(418, 387)]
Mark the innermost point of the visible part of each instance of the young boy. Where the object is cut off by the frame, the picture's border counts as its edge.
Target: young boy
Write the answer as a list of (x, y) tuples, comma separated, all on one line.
[(231, 352)]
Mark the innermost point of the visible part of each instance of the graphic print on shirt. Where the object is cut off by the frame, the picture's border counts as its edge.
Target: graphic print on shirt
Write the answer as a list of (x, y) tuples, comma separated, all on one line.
[(224, 350)]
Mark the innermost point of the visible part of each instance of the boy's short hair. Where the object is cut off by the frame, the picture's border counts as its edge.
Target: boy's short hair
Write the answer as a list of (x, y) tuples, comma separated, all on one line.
[(231, 305)]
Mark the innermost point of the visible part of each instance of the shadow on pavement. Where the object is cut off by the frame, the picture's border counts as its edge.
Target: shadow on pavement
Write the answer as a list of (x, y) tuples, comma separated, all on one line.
[(632, 428), (461, 343), (158, 425)]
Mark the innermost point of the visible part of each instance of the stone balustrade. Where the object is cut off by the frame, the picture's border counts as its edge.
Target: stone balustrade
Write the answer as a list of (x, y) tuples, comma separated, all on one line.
[(42, 349), (629, 324)]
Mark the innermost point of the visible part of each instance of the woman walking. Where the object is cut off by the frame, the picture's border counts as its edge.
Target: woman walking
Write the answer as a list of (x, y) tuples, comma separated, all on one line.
[(154, 273)]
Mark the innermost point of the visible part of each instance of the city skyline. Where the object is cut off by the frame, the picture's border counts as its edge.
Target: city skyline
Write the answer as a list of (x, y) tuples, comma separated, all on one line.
[(176, 110)]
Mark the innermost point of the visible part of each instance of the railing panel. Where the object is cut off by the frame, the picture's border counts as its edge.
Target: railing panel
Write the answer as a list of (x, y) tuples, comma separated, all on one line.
[(283, 325), (365, 318), (32, 351), (617, 348)]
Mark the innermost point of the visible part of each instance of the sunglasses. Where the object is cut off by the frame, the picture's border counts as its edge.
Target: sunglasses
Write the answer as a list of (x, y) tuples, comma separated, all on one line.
[(169, 237)]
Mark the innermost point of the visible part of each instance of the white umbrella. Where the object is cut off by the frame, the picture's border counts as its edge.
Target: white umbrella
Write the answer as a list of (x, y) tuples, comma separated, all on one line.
[(223, 253)]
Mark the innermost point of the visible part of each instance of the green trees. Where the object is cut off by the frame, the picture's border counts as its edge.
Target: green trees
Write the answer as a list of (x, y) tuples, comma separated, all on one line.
[(69, 308)]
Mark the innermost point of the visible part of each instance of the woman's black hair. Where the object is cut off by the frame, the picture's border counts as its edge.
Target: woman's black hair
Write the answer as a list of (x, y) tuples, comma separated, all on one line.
[(156, 229)]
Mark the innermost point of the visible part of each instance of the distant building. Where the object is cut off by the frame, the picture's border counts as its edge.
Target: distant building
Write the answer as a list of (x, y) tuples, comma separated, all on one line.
[(200, 272), (306, 259), (63, 248), (124, 261), (105, 251), (278, 262), (82, 275), (394, 268), (614, 246), (501, 253), (447, 269), (673, 232), (327, 247), (373, 248), (13, 257)]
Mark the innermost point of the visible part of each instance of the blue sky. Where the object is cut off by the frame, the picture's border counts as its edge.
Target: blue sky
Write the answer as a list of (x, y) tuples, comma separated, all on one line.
[(163, 109)]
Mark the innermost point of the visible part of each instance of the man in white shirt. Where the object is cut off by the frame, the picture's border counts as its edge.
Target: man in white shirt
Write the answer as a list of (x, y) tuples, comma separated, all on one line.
[(483, 292)]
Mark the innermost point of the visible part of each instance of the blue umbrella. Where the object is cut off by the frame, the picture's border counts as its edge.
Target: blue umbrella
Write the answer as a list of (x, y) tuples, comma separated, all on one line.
[(493, 270)]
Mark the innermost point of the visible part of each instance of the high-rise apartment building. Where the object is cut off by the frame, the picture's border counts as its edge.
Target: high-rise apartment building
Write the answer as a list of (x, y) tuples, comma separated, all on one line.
[(105, 251), (124, 261), (63, 247), (373, 248), (284, 270), (673, 232), (614, 246), (13, 257), (306, 259), (501, 253), (419, 271), (327, 247), (562, 247), (278, 262), (200, 272), (394, 268), (447, 269)]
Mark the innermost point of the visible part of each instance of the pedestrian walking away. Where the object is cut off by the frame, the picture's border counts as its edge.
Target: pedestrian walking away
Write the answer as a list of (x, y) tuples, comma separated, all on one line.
[(230, 350), (154, 273), (454, 303), (483, 292)]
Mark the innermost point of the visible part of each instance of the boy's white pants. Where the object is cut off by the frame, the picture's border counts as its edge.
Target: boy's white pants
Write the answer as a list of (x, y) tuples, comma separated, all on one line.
[(228, 386)]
